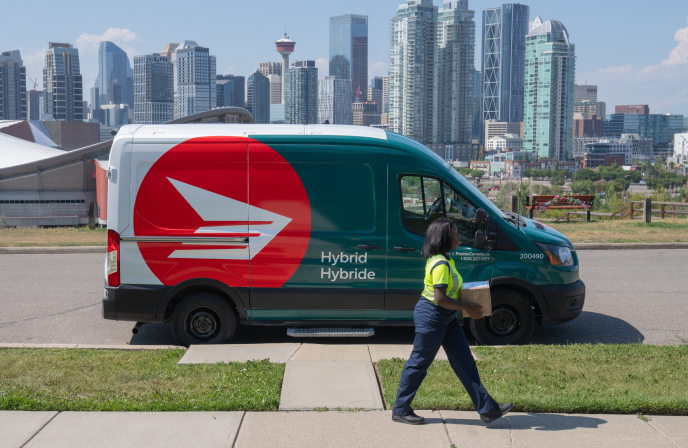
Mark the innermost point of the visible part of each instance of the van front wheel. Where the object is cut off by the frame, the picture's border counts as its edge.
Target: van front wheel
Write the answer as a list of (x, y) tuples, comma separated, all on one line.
[(512, 321), (203, 318)]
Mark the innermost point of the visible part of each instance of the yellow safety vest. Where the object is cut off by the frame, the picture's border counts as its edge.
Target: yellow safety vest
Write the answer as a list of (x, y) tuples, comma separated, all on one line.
[(440, 271)]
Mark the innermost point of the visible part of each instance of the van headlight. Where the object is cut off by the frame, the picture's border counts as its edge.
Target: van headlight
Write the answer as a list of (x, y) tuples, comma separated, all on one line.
[(557, 255)]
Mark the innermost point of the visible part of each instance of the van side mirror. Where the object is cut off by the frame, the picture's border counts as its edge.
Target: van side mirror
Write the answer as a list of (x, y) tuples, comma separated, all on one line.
[(480, 216), (480, 240)]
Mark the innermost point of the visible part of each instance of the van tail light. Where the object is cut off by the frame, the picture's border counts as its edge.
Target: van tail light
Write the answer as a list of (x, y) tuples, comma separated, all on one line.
[(113, 258)]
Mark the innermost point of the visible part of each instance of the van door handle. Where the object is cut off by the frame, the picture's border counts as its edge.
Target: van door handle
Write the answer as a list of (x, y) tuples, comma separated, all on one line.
[(368, 246), (405, 249)]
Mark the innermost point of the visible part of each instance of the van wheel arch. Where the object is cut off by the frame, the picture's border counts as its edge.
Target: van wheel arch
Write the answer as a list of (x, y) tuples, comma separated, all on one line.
[(529, 291), (179, 292)]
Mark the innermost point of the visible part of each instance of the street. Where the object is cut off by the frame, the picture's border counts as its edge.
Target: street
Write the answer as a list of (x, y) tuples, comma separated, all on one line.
[(632, 296)]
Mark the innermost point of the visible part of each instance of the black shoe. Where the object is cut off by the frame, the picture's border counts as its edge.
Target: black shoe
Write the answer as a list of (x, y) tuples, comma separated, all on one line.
[(411, 419), (503, 410)]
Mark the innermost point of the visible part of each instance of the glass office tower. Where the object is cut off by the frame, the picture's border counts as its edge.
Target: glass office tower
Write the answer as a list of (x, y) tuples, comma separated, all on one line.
[(258, 101), (550, 74), (503, 59), (113, 73), (301, 93), (62, 83), (349, 51), (12, 86), (477, 97), (153, 89)]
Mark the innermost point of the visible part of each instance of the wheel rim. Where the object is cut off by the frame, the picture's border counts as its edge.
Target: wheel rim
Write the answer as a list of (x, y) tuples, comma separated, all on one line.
[(504, 322), (202, 325)]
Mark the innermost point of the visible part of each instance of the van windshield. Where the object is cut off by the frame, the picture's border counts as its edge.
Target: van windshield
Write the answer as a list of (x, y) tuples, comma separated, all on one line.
[(476, 193)]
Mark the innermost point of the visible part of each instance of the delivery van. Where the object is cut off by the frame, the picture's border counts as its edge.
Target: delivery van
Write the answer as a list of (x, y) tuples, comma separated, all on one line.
[(213, 227)]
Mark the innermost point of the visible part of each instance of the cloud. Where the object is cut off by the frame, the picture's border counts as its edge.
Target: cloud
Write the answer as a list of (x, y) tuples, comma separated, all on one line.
[(122, 37), (662, 86), (229, 70), (34, 62), (323, 66), (678, 55), (377, 69)]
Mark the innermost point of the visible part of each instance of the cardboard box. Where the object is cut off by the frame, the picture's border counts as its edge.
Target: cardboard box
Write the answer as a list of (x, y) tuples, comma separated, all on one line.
[(478, 293)]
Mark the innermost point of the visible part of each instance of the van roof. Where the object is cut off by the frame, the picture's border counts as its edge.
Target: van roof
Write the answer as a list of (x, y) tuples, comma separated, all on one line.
[(185, 131)]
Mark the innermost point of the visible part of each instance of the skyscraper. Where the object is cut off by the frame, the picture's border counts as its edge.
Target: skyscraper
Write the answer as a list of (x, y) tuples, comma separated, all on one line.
[(454, 74), (584, 93), (62, 83), (335, 99), (113, 73), (285, 47), (349, 51), (153, 89), (477, 97), (411, 70), (550, 71), (301, 93), (170, 51), (12, 86), (273, 71), (503, 62), (34, 100), (258, 102), (195, 79), (385, 94), (231, 91)]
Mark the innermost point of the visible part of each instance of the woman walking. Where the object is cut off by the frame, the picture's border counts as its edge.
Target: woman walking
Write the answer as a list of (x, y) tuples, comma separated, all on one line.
[(437, 325)]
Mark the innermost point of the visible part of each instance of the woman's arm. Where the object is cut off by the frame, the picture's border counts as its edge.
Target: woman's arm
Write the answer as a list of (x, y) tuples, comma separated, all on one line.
[(445, 302)]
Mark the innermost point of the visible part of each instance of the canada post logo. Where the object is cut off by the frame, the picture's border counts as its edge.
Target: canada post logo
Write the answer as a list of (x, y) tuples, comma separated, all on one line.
[(252, 212)]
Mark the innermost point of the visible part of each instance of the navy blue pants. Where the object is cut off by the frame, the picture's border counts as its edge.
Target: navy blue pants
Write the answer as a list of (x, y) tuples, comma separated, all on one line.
[(435, 327)]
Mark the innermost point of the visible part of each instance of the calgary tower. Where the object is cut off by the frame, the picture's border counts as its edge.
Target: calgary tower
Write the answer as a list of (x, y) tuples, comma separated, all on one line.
[(285, 47)]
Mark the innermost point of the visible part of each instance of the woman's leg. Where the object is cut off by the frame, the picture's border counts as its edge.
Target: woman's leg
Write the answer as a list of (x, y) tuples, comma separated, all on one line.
[(461, 360), (425, 348)]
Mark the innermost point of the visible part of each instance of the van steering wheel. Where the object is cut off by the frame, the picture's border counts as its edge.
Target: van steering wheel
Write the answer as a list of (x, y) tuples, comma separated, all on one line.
[(433, 208)]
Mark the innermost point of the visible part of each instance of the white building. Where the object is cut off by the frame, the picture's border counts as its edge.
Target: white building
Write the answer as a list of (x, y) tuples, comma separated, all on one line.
[(196, 81), (680, 149), (508, 141), (632, 145)]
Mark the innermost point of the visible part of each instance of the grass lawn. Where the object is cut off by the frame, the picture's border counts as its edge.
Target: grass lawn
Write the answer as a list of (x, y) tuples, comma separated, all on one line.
[(112, 380), (59, 236), (607, 379), (625, 231)]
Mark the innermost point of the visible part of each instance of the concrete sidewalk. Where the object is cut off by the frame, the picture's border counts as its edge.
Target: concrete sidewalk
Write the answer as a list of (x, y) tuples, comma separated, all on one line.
[(336, 429)]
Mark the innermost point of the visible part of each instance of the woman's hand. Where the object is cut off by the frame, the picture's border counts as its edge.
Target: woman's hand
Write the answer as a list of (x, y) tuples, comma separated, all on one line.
[(441, 299), (474, 310)]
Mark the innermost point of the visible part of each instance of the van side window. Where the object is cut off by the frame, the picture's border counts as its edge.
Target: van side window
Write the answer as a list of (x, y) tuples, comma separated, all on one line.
[(425, 199), (422, 202), (462, 213)]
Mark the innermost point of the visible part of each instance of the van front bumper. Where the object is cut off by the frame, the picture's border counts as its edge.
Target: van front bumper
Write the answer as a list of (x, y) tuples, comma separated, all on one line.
[(564, 302)]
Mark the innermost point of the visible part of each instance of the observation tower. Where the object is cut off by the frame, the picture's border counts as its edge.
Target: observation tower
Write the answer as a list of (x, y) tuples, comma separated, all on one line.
[(285, 47)]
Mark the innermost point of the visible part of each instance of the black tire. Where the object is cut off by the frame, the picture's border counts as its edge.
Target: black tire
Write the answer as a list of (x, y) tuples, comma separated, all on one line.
[(203, 318), (512, 321)]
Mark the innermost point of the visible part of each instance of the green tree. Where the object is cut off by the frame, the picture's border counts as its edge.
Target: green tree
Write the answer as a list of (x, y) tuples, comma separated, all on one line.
[(558, 179)]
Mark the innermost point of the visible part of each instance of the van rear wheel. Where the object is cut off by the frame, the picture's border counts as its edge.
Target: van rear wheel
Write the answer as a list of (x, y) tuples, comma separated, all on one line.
[(512, 321), (203, 318)]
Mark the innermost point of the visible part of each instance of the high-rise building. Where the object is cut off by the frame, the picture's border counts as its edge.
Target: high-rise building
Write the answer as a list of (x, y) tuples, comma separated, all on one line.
[(494, 128), (62, 83), (660, 128), (584, 93), (285, 47), (231, 91), (375, 96), (349, 51), (34, 101), (258, 102), (598, 108), (114, 72), (377, 83), (587, 125), (454, 74), (196, 89), (548, 110), (273, 71), (411, 70), (365, 114), (12, 86), (642, 109), (503, 62), (170, 51), (385, 94), (153, 89), (270, 68), (335, 99), (477, 97), (301, 96)]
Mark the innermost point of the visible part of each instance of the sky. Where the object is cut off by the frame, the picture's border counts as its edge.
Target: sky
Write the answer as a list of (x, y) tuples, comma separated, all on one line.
[(635, 51)]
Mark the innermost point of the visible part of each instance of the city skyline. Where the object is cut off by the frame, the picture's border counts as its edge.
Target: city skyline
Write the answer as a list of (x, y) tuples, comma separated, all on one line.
[(648, 69)]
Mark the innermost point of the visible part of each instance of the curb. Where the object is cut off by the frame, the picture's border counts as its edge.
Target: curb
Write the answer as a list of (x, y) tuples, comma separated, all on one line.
[(629, 246), (54, 250), (90, 346)]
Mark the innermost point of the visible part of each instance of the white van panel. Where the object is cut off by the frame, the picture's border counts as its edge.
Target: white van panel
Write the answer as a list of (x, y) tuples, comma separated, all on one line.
[(177, 133), (133, 268), (346, 131), (118, 183)]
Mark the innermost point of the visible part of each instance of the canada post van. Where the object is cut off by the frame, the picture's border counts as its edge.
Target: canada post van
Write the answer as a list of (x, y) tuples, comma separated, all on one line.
[(212, 227)]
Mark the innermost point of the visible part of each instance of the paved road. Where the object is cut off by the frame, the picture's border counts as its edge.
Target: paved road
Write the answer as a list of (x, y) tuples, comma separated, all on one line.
[(632, 296)]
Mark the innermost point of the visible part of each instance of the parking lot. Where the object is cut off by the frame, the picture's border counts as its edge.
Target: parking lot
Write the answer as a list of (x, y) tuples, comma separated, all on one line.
[(632, 296)]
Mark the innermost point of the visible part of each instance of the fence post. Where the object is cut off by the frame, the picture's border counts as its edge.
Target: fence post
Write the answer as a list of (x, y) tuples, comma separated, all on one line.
[(91, 215), (567, 216), (647, 210), (674, 215), (588, 215), (661, 213), (632, 210), (514, 203)]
